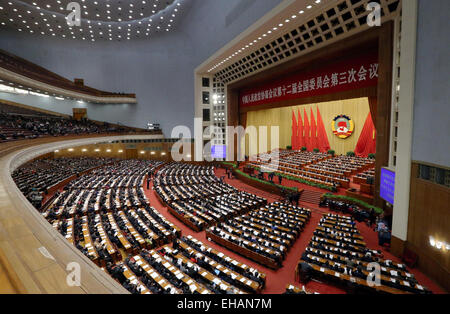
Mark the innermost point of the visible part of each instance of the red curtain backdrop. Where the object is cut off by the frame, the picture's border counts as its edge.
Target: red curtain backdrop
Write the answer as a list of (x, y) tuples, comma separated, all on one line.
[(294, 131), (367, 140), (314, 143), (307, 136), (323, 143), (300, 138), (373, 108)]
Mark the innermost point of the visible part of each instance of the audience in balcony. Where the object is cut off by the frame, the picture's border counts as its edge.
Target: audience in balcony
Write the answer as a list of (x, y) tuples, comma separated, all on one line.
[(16, 124), (13, 127)]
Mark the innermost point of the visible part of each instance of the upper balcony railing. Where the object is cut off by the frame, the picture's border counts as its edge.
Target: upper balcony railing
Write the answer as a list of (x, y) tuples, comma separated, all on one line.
[(34, 72)]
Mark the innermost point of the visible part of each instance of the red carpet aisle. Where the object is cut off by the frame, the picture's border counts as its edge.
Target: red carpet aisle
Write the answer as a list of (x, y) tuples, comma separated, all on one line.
[(276, 281)]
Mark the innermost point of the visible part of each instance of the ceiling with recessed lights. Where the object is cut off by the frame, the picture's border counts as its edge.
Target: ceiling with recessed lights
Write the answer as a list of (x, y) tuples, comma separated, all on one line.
[(299, 28), (113, 20)]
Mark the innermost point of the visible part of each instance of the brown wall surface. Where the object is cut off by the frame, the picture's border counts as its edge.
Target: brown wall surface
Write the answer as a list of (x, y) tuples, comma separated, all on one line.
[(429, 215)]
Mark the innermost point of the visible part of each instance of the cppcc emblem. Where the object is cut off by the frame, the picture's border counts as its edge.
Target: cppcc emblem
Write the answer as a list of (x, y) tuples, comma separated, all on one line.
[(342, 126)]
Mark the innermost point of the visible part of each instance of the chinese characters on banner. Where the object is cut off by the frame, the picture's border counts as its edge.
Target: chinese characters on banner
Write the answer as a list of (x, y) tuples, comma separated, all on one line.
[(387, 185), (352, 73)]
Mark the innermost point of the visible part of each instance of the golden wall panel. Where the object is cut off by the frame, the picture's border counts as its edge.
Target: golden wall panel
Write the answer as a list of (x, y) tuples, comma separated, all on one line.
[(357, 109)]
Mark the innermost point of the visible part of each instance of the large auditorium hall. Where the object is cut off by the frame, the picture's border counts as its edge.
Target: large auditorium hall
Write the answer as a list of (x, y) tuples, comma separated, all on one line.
[(227, 154)]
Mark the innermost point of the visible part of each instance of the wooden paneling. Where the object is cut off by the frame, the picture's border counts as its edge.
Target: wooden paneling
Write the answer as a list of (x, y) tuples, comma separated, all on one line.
[(131, 153), (384, 103), (9, 282), (233, 114), (429, 215), (79, 113), (397, 246), (7, 147), (359, 196), (120, 150)]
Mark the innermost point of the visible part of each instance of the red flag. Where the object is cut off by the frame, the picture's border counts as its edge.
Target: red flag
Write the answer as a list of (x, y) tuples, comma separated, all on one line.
[(307, 140), (322, 137), (294, 131), (313, 131), (367, 140), (300, 138)]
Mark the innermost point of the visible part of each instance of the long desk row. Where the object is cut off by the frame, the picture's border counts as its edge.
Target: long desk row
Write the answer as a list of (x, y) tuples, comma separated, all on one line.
[(263, 235), (106, 214), (239, 274), (205, 212), (189, 266), (300, 174), (338, 253)]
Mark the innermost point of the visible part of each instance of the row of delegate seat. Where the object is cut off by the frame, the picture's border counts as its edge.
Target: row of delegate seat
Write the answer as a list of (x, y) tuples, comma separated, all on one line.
[(107, 216), (112, 218), (337, 252), (186, 180), (113, 186), (173, 193), (198, 198), (125, 231), (344, 165), (188, 267), (179, 169), (264, 235), (201, 213), (246, 277), (36, 177), (365, 176), (290, 158), (122, 174), (325, 179), (304, 165)]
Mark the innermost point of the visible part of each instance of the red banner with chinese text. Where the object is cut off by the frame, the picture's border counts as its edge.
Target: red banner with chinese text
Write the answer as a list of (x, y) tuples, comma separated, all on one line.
[(348, 74)]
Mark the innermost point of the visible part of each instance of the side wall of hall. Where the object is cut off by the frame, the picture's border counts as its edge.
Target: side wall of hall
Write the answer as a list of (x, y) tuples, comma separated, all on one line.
[(429, 210), (159, 70), (431, 140)]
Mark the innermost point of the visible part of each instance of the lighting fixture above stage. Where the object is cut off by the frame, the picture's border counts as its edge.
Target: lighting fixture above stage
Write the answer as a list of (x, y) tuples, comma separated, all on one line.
[(278, 26)]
